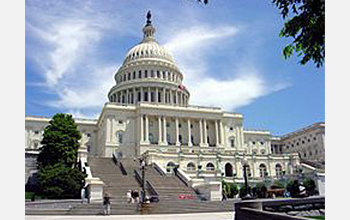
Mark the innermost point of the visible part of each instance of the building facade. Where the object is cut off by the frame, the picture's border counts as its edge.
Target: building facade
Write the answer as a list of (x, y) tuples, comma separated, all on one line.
[(309, 142), (149, 115)]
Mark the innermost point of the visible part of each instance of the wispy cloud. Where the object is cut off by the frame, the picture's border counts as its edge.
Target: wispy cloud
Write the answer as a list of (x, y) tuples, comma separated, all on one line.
[(74, 70), (194, 48)]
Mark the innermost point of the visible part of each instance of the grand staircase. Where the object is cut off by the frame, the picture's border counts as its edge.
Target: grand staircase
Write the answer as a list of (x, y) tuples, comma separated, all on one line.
[(120, 178)]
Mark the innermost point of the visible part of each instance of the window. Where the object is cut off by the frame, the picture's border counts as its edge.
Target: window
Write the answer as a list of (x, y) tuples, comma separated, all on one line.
[(36, 132), (129, 76), (262, 170), (158, 74), (303, 142), (253, 142), (210, 167), (191, 167), (88, 134), (120, 122), (36, 145), (278, 169), (152, 73), (232, 142), (231, 128), (119, 135), (170, 167), (140, 74), (146, 74), (191, 125), (262, 143), (134, 75), (180, 125)]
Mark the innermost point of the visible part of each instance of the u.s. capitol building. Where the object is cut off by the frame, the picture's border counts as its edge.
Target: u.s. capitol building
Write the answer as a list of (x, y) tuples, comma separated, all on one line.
[(149, 115)]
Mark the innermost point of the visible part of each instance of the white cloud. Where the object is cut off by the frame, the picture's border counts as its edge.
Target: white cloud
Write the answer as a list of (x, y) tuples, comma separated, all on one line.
[(193, 47)]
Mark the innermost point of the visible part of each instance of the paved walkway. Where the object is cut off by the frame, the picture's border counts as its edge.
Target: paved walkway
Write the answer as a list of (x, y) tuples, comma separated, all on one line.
[(196, 216)]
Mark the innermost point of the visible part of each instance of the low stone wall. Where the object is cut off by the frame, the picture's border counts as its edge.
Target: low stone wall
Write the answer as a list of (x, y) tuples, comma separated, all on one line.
[(279, 209), (254, 214)]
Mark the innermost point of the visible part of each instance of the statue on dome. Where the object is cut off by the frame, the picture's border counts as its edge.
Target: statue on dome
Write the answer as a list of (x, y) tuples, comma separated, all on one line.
[(149, 17)]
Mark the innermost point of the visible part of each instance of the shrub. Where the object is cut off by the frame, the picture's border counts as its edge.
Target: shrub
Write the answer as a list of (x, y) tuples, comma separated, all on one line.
[(310, 186)]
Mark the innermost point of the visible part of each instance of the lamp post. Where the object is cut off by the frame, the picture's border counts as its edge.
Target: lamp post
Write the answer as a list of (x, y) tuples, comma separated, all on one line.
[(245, 165), (142, 168)]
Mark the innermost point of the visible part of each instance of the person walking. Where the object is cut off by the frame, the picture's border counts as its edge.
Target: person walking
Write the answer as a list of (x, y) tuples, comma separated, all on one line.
[(129, 197), (83, 195), (106, 204)]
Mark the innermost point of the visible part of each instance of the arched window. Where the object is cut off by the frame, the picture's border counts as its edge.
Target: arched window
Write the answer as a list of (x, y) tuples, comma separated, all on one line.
[(191, 166), (278, 169), (210, 167), (262, 170), (232, 142), (119, 135), (170, 167), (228, 169)]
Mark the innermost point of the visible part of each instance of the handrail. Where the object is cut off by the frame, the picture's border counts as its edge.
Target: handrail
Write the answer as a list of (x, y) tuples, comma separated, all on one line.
[(150, 189), (184, 177), (118, 162), (159, 168)]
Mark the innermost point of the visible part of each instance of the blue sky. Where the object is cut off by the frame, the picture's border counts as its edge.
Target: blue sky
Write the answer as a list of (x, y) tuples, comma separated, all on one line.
[(229, 52)]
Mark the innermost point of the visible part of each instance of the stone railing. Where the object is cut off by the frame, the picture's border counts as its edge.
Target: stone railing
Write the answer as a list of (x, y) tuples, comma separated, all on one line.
[(277, 209)]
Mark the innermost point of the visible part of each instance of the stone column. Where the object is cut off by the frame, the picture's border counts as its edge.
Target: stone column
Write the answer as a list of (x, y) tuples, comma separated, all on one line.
[(189, 132), (200, 132), (127, 96), (177, 98), (141, 91), (222, 132), (171, 97), (163, 95), (177, 132), (149, 94), (216, 133), (156, 95), (164, 132), (159, 130), (205, 132), (141, 129), (146, 129), (135, 96)]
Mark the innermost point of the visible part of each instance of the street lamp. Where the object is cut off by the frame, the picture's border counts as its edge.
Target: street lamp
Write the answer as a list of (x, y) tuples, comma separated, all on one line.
[(142, 168), (245, 165)]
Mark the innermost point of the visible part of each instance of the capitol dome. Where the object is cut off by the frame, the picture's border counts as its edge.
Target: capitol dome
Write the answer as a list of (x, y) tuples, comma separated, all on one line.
[(149, 74)]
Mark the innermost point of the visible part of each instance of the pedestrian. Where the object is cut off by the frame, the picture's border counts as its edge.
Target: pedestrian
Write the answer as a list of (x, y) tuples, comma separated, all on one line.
[(137, 198), (83, 195), (106, 204), (129, 197)]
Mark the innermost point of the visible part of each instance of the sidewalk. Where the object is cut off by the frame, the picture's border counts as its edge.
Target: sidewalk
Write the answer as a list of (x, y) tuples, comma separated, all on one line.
[(195, 216)]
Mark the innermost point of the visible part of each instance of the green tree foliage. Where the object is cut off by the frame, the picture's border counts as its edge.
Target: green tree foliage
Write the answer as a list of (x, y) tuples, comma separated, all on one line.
[(306, 27), (261, 190), (60, 142), (293, 188), (310, 186), (60, 182), (231, 189), (242, 191), (58, 175)]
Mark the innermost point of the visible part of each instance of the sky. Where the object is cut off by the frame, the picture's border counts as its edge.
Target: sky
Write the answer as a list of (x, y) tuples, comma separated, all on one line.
[(229, 52)]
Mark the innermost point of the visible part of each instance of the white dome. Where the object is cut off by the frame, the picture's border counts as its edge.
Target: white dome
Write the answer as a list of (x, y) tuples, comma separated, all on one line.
[(148, 49)]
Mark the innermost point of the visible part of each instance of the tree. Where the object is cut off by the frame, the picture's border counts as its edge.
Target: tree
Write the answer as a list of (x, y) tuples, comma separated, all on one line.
[(58, 173), (60, 182), (60, 142), (306, 27)]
